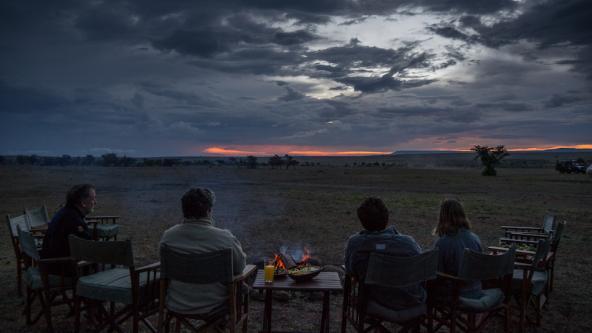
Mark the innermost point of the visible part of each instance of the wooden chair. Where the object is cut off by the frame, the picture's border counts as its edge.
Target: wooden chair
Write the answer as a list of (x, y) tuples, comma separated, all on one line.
[(206, 268), (387, 271), (135, 288), (546, 228), (533, 241), (470, 314), (14, 223), (530, 281), (103, 227), (37, 218), (51, 289)]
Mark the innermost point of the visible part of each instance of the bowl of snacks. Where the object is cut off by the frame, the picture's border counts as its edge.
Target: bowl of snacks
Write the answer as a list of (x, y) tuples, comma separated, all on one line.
[(304, 273)]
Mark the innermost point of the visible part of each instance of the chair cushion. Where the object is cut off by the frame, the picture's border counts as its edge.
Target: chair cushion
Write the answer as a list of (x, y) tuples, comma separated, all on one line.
[(107, 230), (32, 278), (539, 281), (484, 300), (398, 316), (110, 285)]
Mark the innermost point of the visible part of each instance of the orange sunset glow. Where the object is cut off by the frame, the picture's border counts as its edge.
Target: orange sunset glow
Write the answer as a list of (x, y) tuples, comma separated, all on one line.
[(268, 150), (291, 150)]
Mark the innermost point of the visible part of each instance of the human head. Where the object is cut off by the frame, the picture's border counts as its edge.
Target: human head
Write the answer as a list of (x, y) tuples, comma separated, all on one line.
[(83, 197), (452, 218), (373, 214), (198, 203)]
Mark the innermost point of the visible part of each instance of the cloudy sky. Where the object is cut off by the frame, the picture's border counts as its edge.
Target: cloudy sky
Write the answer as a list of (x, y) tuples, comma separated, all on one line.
[(180, 77)]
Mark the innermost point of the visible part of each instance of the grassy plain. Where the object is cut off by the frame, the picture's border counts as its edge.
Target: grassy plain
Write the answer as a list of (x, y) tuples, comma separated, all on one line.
[(315, 207)]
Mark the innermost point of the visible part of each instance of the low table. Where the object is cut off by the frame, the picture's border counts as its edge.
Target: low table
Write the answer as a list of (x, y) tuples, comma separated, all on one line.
[(325, 282)]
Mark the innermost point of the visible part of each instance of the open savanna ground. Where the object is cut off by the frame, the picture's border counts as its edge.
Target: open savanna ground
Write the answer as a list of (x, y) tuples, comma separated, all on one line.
[(316, 207)]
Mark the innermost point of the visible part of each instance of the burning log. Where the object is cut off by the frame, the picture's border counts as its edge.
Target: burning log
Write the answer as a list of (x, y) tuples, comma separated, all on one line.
[(285, 260)]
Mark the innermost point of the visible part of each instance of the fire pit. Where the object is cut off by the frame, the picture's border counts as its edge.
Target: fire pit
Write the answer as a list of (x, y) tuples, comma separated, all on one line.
[(298, 271)]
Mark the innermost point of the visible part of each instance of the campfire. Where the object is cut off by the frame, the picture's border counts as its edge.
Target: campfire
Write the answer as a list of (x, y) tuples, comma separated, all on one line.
[(285, 264)]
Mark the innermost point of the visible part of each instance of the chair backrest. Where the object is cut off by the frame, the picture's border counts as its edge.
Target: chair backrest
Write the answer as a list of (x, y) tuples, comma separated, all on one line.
[(480, 266), (541, 253), (205, 267), (557, 235), (27, 244), (14, 222), (548, 223), (102, 252), (391, 271), (37, 216)]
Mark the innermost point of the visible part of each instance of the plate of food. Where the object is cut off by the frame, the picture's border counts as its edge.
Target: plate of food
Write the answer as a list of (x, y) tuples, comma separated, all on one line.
[(304, 273)]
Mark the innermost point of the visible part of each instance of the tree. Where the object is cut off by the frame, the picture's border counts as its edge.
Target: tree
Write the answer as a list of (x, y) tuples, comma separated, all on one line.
[(275, 161), (251, 162), (490, 157), (110, 159), (290, 161)]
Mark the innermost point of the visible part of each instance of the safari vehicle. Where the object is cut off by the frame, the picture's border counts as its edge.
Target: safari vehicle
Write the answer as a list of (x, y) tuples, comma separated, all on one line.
[(571, 166)]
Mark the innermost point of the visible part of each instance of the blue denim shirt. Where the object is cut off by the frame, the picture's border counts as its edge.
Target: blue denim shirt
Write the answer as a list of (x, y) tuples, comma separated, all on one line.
[(451, 250), (358, 249)]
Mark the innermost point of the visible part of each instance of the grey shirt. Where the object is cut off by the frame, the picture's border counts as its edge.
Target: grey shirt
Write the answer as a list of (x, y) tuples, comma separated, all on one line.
[(358, 249), (200, 236)]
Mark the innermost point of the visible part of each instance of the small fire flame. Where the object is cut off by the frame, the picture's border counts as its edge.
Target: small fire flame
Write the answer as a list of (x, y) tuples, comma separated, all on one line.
[(305, 257), (279, 264)]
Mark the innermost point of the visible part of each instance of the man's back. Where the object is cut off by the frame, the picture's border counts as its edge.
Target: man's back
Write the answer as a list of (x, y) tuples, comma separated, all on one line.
[(389, 241), (200, 236), (67, 221)]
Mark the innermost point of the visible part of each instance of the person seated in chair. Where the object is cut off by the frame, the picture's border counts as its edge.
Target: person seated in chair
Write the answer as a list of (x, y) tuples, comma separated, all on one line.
[(197, 234), (377, 237), (454, 232), (69, 220)]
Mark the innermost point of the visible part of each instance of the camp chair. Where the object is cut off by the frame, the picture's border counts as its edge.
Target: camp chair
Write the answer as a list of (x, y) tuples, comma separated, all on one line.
[(51, 289), (207, 268), (13, 224), (554, 245), (37, 218), (387, 271), (135, 288), (103, 227), (526, 232), (460, 312), (530, 282)]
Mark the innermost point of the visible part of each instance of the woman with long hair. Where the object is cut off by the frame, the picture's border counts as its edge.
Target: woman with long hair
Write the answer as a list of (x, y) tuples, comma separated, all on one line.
[(454, 236)]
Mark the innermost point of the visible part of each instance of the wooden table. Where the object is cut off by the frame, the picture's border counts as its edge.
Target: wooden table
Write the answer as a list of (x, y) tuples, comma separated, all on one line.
[(324, 282)]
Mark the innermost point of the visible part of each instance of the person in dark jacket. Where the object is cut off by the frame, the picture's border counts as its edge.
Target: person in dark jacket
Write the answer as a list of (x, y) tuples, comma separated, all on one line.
[(377, 237), (69, 220)]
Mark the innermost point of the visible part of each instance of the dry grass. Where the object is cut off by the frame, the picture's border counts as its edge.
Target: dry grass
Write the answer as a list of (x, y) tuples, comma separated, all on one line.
[(315, 207)]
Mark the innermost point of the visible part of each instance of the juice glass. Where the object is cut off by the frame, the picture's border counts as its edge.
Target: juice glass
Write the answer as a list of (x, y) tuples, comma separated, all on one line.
[(268, 271)]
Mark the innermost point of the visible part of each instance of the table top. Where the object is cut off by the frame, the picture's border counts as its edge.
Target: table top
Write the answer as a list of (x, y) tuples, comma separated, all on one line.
[(325, 281)]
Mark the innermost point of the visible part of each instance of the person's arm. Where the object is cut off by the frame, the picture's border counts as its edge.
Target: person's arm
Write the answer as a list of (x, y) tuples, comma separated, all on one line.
[(239, 258)]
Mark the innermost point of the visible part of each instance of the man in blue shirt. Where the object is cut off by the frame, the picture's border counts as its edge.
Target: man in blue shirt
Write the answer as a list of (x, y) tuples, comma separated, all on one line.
[(376, 237), (80, 201)]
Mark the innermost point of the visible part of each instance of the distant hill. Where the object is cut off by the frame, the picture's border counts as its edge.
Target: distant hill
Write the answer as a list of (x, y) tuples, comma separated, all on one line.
[(440, 152)]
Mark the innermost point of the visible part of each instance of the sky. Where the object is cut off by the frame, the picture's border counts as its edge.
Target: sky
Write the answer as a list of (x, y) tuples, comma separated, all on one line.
[(320, 77)]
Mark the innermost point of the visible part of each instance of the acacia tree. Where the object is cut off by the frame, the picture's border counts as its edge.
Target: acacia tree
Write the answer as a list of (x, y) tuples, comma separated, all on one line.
[(490, 157)]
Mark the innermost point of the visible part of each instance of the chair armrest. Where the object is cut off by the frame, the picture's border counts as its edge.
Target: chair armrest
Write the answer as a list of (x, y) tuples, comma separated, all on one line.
[(102, 218), (521, 253), (149, 267), (49, 261), (448, 276), (518, 241), (515, 227), (247, 271), (528, 235)]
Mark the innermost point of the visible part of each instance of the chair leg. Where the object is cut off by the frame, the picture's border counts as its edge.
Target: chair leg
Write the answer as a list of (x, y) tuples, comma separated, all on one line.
[(77, 301), (28, 301), (19, 277), (46, 306), (135, 319), (453, 321), (177, 325), (507, 319)]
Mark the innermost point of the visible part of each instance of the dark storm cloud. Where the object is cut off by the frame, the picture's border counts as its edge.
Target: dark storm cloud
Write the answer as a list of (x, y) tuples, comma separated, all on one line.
[(291, 95), (560, 100), (506, 106), (15, 99)]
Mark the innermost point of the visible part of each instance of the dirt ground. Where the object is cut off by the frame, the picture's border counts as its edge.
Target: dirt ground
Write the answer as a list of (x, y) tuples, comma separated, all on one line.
[(315, 207)]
